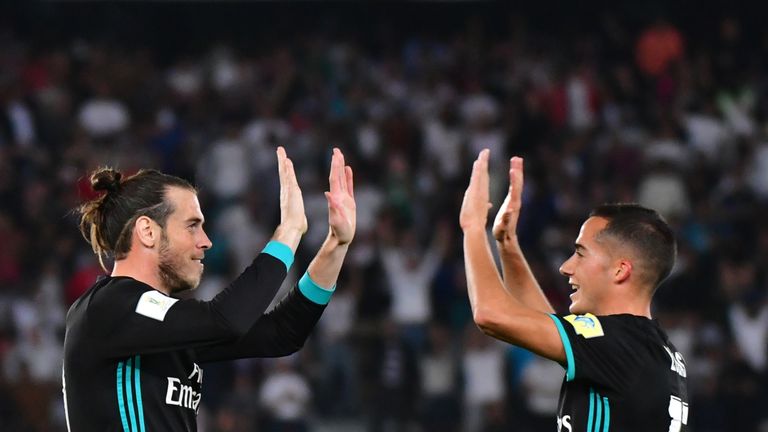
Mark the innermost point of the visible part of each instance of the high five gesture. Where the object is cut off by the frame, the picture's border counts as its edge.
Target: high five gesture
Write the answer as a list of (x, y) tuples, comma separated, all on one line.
[(342, 221), (293, 221), (341, 200)]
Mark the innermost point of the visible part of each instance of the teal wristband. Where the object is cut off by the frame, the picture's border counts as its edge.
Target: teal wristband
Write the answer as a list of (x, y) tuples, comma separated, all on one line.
[(314, 292), (280, 251)]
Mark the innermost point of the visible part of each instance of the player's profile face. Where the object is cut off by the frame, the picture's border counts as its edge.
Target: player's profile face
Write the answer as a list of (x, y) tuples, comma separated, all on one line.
[(183, 242), (588, 269)]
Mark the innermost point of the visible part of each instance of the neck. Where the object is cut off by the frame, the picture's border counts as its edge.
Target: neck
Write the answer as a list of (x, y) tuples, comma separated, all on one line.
[(133, 267), (632, 301), (639, 310)]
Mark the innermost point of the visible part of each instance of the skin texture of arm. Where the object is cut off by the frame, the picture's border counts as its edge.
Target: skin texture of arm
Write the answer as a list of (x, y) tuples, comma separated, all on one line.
[(518, 277), (495, 311), (293, 221), (325, 267), (285, 329)]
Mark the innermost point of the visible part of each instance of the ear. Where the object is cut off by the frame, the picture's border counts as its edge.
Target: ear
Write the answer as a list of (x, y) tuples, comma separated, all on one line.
[(147, 231), (622, 271)]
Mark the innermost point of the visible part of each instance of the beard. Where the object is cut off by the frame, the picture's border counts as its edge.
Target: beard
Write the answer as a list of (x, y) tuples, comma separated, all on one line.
[(170, 269)]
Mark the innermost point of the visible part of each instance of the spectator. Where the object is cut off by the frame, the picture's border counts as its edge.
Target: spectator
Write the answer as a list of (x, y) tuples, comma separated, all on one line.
[(285, 396), (410, 272), (439, 370), (392, 370), (484, 389), (658, 47), (103, 116)]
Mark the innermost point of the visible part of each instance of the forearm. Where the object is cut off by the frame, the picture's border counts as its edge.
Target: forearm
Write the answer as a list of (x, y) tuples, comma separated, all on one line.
[(326, 266), (486, 291), (245, 299), (281, 332), (519, 280), (499, 314)]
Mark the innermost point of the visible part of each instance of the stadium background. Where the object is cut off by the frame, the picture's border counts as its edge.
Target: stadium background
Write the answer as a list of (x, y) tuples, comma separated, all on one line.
[(666, 105)]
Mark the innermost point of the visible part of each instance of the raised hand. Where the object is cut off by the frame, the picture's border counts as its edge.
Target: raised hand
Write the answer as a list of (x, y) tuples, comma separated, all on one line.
[(342, 218), (505, 224), (292, 216), (474, 208)]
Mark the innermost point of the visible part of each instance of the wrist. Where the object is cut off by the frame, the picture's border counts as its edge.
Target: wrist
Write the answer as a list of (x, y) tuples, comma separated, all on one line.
[(507, 240), (289, 229), (288, 235), (508, 247), (332, 243)]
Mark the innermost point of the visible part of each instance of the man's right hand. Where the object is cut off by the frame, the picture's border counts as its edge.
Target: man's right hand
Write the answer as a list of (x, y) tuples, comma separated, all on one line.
[(293, 220), (505, 224)]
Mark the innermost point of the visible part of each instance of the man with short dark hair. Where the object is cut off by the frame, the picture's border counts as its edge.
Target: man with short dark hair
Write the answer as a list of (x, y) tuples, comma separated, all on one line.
[(622, 373), (132, 352)]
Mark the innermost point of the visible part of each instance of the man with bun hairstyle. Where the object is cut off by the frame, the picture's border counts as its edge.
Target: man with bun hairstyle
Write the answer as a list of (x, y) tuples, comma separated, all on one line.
[(622, 373), (132, 351)]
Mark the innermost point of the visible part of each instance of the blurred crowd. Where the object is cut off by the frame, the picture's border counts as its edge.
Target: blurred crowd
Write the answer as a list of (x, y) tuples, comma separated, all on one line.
[(614, 111)]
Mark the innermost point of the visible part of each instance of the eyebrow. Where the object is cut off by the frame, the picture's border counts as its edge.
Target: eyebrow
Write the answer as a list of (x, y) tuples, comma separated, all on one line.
[(579, 246), (194, 219)]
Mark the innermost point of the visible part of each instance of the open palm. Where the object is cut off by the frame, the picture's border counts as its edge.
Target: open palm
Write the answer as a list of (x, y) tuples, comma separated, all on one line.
[(291, 201), (505, 224), (342, 217), (474, 208)]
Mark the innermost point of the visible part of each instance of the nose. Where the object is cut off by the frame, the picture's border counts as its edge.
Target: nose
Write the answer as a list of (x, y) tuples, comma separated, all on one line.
[(565, 268), (205, 242)]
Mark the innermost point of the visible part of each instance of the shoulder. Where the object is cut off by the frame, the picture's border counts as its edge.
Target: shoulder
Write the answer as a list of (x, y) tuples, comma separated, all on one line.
[(593, 326), (106, 304), (118, 296), (120, 288), (586, 325)]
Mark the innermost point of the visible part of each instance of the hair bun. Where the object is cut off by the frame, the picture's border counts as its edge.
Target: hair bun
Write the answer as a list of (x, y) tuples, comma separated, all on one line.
[(106, 179)]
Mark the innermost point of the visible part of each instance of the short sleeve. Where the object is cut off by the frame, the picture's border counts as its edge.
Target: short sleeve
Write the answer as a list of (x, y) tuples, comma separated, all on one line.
[(596, 348)]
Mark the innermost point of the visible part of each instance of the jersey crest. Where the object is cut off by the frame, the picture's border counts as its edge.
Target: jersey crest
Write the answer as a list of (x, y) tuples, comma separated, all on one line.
[(586, 325), (154, 304)]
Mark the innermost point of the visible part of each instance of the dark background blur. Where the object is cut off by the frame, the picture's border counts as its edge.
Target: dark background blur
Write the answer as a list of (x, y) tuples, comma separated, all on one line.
[(666, 105)]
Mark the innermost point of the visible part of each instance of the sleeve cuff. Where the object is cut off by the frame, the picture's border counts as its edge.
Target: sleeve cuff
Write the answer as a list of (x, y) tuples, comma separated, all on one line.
[(571, 366), (314, 292), (280, 251)]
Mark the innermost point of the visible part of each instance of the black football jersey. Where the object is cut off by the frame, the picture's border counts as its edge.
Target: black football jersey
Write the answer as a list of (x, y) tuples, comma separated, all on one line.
[(133, 356), (622, 374)]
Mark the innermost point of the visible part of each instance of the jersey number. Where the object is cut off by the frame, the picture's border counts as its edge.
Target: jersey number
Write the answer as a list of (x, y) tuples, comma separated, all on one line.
[(678, 410)]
